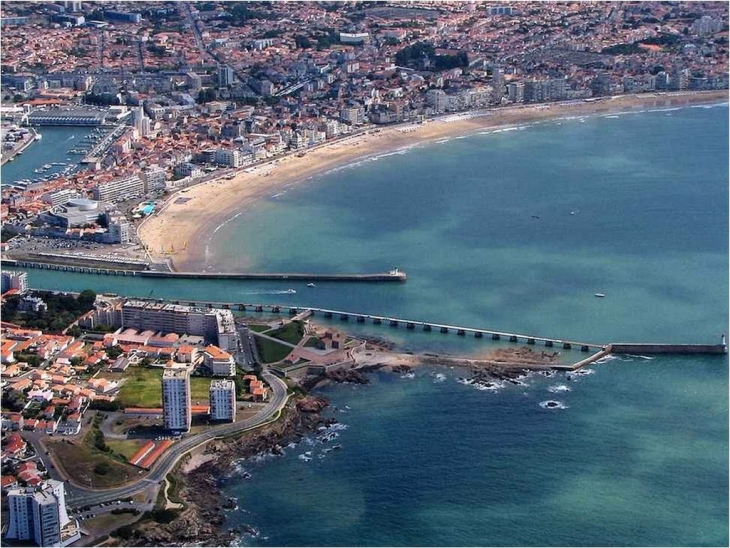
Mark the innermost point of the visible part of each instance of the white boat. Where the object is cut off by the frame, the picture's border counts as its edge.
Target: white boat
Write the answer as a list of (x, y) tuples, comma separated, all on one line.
[(600, 295), (311, 284), (291, 290)]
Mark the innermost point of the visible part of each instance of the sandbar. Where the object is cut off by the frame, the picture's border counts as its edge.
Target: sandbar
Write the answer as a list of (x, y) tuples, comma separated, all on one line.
[(181, 230)]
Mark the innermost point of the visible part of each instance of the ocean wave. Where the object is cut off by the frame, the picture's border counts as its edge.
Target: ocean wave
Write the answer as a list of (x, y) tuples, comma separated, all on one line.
[(558, 388), (607, 358), (224, 223), (667, 109), (575, 375), (713, 105)]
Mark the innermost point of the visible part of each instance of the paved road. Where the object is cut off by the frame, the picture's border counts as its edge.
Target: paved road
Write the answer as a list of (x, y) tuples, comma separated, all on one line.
[(78, 496)]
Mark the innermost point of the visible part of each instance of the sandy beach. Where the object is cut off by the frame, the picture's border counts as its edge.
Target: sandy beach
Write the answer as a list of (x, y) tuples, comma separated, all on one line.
[(181, 230)]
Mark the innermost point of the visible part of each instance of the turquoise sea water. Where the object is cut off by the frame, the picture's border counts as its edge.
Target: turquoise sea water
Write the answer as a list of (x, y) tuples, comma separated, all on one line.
[(513, 231)]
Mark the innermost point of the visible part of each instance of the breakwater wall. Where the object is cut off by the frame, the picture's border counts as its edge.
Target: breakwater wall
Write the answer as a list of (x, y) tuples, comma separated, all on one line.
[(656, 348), (132, 270), (287, 276)]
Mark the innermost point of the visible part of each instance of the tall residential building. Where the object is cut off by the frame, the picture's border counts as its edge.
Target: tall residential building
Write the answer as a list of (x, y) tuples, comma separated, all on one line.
[(222, 400), (39, 514), (225, 75), (154, 178), (14, 280), (176, 403)]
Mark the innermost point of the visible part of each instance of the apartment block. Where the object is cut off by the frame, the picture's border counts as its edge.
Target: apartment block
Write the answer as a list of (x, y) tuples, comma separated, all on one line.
[(38, 514), (223, 400), (119, 189), (220, 362), (14, 280), (176, 403)]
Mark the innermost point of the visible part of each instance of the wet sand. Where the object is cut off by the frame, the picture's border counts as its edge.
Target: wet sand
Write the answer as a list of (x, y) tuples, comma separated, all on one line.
[(182, 229)]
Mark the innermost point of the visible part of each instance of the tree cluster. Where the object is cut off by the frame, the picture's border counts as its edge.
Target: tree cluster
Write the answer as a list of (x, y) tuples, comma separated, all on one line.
[(418, 53), (62, 310)]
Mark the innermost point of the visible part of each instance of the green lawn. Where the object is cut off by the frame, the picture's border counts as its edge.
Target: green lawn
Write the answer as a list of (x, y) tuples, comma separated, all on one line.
[(126, 448), (270, 351), (200, 389), (143, 388), (291, 333)]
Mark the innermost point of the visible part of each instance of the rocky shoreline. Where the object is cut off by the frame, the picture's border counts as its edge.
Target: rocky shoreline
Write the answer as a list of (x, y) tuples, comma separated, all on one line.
[(203, 522)]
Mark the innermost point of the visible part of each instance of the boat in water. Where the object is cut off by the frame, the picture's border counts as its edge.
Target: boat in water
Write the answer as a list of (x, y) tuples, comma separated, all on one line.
[(311, 284), (291, 291), (600, 295)]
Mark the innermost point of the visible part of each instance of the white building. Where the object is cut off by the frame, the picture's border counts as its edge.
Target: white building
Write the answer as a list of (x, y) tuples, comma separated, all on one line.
[(176, 404), (60, 197), (119, 188), (220, 362), (39, 514), (222, 400), (230, 158), (14, 280), (154, 177)]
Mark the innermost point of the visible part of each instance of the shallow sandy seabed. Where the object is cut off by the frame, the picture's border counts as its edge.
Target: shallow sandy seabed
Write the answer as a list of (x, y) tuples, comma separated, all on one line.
[(180, 231)]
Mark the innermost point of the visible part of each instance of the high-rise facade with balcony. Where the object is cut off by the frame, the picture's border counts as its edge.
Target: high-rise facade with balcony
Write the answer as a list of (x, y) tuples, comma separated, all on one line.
[(176, 403), (222, 400)]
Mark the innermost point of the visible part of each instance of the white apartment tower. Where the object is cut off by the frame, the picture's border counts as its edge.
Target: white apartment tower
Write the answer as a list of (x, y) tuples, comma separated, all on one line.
[(39, 514), (14, 280), (176, 405), (222, 400)]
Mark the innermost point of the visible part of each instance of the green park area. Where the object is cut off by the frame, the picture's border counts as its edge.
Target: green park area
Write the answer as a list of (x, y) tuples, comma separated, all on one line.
[(271, 351), (142, 387)]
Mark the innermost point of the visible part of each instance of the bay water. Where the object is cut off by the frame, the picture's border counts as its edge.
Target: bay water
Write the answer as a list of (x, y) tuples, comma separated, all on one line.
[(515, 231)]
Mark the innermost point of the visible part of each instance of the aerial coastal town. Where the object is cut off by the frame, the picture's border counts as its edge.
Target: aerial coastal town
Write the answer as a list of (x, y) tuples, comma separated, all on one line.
[(108, 401)]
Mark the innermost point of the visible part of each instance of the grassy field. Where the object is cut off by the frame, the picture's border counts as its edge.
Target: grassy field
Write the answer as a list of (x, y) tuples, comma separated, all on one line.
[(126, 448), (291, 333), (270, 351), (79, 460), (200, 389), (143, 388)]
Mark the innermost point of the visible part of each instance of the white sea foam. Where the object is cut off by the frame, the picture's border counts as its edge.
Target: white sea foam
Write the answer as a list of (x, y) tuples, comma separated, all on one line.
[(552, 404), (558, 388), (224, 223)]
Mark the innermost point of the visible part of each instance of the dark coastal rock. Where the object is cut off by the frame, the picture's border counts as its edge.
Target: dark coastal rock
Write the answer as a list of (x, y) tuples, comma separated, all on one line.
[(347, 375), (312, 404), (402, 368)]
